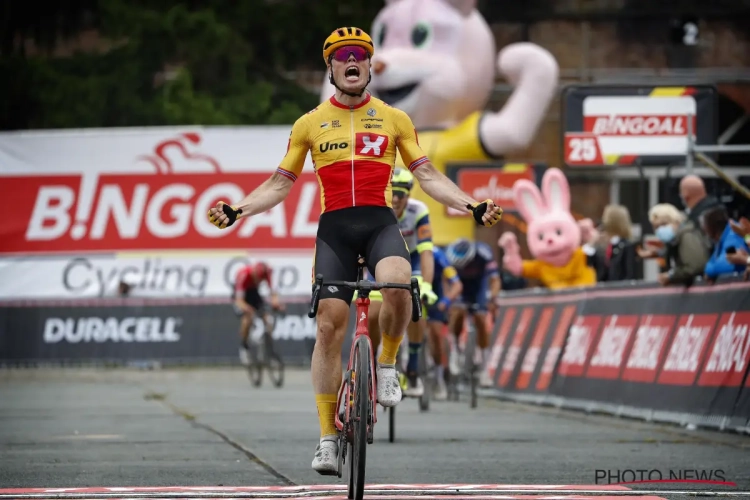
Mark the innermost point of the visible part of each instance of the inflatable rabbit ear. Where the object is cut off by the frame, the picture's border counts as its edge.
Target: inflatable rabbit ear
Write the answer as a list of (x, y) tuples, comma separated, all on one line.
[(556, 190), (465, 7), (528, 200)]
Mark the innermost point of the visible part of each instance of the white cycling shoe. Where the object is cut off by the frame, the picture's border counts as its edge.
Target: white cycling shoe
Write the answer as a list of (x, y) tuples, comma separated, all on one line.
[(414, 387), (485, 381), (326, 459), (441, 391), (244, 356), (389, 388)]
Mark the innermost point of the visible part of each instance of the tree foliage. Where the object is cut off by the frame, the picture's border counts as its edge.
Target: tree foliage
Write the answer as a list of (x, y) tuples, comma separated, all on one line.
[(205, 62)]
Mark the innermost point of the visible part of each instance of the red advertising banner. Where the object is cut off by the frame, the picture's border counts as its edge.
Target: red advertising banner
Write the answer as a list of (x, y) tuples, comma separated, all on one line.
[(673, 350)]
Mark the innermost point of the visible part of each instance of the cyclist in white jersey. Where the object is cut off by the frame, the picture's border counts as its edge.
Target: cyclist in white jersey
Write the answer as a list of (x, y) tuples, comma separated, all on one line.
[(414, 223)]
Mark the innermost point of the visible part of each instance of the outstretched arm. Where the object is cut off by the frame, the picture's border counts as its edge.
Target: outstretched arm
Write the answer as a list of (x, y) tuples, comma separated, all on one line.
[(441, 188), (274, 190), (266, 196)]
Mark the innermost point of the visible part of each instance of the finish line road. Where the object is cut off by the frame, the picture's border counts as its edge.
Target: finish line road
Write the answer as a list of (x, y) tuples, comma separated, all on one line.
[(209, 427)]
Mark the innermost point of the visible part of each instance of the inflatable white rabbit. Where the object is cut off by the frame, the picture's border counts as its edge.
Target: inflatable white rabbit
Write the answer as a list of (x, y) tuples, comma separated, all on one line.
[(553, 235), (436, 60)]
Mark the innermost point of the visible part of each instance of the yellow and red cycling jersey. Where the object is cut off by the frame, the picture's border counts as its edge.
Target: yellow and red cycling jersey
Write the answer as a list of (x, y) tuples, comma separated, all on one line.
[(353, 150)]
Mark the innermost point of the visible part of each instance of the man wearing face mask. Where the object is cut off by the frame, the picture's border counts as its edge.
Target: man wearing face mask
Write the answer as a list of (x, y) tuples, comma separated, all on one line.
[(685, 252)]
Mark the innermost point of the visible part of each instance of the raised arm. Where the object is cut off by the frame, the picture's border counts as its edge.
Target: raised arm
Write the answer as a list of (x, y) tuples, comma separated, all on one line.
[(436, 185), (441, 188), (273, 190), (266, 196)]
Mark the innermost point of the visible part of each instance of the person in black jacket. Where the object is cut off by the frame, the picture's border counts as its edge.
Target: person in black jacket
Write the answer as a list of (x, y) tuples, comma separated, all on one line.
[(695, 199), (618, 259)]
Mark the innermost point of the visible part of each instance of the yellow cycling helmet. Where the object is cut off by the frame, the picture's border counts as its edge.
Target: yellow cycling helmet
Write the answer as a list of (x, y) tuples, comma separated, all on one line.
[(347, 36), (402, 180)]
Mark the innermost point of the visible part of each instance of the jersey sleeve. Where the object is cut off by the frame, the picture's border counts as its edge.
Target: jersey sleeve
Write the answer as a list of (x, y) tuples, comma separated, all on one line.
[(449, 272), (239, 280), (408, 142), (424, 231), (296, 150)]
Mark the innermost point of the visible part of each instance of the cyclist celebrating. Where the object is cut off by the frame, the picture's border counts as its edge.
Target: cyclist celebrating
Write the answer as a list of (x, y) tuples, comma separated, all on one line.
[(414, 222), (447, 286), (480, 278), (353, 139), (247, 300)]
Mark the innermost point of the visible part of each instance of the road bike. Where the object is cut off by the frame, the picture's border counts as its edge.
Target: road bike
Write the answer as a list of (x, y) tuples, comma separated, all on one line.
[(263, 354), (424, 400), (471, 369), (358, 389)]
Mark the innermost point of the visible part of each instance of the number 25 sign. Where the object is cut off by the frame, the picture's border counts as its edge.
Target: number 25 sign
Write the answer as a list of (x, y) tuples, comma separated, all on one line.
[(582, 149)]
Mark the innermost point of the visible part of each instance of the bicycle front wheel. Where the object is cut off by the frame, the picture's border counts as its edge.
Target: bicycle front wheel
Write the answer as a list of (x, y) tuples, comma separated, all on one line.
[(424, 372), (360, 417), (275, 369), (471, 368), (255, 368)]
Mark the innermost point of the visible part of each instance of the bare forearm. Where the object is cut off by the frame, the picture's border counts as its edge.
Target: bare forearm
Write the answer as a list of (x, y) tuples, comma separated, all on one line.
[(266, 196), (494, 285), (454, 291), (441, 188)]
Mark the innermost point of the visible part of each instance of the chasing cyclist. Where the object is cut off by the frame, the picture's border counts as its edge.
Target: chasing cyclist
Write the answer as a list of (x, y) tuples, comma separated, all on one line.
[(354, 168), (480, 278), (447, 286), (414, 222), (248, 301)]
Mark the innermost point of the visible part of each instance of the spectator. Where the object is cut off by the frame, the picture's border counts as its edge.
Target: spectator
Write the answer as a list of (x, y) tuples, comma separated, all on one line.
[(742, 228), (685, 252), (619, 254), (694, 197), (716, 226)]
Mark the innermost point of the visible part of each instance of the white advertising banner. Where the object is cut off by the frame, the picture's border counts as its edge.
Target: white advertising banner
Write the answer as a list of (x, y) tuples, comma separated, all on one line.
[(116, 190), (190, 275), (94, 207)]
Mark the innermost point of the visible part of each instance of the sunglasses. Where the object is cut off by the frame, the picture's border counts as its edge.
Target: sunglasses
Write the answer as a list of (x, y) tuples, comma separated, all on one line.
[(359, 53), (400, 194)]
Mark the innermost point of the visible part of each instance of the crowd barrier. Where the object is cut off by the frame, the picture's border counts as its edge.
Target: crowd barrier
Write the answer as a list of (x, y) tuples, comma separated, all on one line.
[(631, 349), (137, 331), (668, 354)]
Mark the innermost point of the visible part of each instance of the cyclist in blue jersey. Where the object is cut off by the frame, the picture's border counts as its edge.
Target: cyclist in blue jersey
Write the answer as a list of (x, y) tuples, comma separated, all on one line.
[(480, 277), (447, 286)]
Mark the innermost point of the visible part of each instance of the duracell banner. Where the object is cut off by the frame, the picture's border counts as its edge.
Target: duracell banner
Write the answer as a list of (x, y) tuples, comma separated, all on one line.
[(658, 348)]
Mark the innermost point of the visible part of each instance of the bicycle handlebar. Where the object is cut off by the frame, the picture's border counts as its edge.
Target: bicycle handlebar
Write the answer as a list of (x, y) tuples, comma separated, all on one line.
[(367, 286)]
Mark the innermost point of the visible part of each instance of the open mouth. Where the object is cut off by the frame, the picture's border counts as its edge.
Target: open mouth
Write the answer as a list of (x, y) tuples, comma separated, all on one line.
[(392, 96), (352, 74), (554, 254)]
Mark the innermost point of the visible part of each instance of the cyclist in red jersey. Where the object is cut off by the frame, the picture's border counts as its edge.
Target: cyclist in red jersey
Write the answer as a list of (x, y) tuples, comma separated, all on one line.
[(353, 139), (248, 301)]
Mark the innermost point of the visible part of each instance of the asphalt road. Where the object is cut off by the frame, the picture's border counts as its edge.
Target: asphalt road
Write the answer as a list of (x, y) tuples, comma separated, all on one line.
[(77, 428)]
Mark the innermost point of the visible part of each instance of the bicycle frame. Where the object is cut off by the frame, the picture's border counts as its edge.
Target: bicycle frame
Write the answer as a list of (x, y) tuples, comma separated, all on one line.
[(361, 334)]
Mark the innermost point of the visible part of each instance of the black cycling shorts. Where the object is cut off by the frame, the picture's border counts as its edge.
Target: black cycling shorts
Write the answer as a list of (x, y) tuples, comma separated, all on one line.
[(344, 235), (253, 298)]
